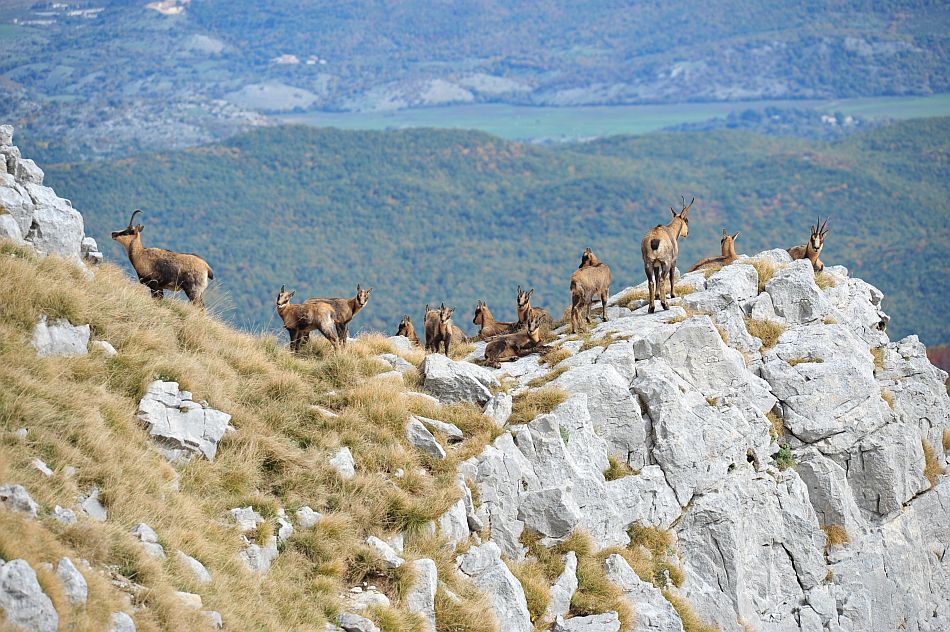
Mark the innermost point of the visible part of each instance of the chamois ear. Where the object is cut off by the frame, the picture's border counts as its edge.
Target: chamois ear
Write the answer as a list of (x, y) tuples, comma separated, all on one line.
[(673, 211), (736, 236), (138, 228), (531, 292), (369, 291), (358, 288), (282, 289)]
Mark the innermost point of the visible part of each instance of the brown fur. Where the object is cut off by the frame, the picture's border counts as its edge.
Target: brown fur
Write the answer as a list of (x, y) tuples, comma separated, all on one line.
[(727, 243), (407, 329), (160, 269), (488, 326), (591, 280), (812, 249), (440, 330), (515, 345), (526, 312), (660, 249), (344, 309), (301, 319)]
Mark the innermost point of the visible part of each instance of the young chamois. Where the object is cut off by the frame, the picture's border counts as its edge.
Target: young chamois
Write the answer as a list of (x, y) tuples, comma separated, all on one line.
[(488, 326), (812, 250), (727, 243), (591, 280), (407, 329), (344, 309), (302, 318), (526, 312), (440, 330), (660, 249), (511, 346), (160, 269)]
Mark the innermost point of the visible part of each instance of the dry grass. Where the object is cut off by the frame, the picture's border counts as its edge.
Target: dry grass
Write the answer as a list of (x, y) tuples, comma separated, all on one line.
[(617, 469), (933, 468), (765, 330), (555, 356), (797, 361), (829, 320), (636, 294), (530, 574), (825, 280), (777, 431), (550, 376), (765, 269), (712, 268), (532, 403), (888, 398), (878, 354), (945, 439), (691, 620), (80, 412), (835, 535)]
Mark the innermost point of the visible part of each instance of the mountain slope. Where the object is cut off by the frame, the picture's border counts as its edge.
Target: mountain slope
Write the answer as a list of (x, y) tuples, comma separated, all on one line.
[(430, 216)]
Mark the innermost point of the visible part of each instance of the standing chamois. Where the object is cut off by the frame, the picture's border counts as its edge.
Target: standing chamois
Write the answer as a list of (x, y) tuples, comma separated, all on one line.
[(302, 318), (489, 327), (660, 249), (515, 345), (160, 269), (440, 330), (526, 312), (591, 280), (344, 309), (407, 329), (812, 250), (727, 243)]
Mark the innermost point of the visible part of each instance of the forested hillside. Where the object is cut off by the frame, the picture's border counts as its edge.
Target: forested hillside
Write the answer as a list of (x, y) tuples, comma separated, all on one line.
[(426, 216)]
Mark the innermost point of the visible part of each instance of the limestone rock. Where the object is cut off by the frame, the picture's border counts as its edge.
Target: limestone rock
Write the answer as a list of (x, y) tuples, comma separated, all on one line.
[(483, 565), (90, 505), (354, 623), (246, 518), (307, 518), (563, 589), (121, 622), (74, 583), (22, 600), (420, 598), (105, 348), (259, 558), (453, 524), (57, 228), (397, 363), (89, 251), (653, 612), (149, 539), (342, 462), (60, 338), (41, 467), (202, 576), (451, 431), (422, 439), (10, 230), (179, 426), (606, 622), (214, 617), (795, 296), (499, 408), (28, 171), (828, 490), (189, 600), (452, 381), (551, 512), (385, 552), (64, 515), (15, 498), (401, 344), (18, 205)]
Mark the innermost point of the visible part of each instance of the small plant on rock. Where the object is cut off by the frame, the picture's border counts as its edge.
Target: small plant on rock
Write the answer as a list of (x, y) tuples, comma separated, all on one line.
[(765, 330), (784, 458), (617, 469), (532, 403)]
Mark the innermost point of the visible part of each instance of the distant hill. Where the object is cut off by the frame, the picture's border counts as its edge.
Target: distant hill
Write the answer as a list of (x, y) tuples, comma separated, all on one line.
[(426, 215), (115, 77)]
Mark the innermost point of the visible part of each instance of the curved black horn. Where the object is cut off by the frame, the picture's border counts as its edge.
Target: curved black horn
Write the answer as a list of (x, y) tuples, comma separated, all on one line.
[(132, 219)]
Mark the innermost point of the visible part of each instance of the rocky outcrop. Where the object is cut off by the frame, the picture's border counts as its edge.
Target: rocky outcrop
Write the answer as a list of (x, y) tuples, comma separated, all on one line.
[(451, 381), (60, 338), (179, 426), (484, 566), (22, 600), (16, 498)]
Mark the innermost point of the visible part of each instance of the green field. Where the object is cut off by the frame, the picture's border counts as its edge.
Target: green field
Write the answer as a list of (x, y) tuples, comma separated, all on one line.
[(525, 122)]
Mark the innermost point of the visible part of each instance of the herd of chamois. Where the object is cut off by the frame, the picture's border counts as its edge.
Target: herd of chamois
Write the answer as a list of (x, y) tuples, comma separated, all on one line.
[(160, 270)]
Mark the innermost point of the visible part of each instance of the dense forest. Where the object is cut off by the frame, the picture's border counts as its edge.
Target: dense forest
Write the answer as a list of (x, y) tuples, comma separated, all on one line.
[(454, 216)]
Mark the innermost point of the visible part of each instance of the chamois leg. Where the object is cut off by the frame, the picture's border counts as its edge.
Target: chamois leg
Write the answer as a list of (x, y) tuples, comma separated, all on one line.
[(195, 295), (672, 272), (446, 342), (648, 269), (329, 332), (603, 302), (294, 340), (661, 277)]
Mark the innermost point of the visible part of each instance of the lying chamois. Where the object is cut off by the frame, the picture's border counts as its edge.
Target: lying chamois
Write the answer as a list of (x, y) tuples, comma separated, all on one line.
[(515, 345), (526, 312), (489, 327), (344, 309), (812, 250), (728, 253), (440, 330), (160, 269), (302, 318), (660, 249), (407, 329), (591, 280)]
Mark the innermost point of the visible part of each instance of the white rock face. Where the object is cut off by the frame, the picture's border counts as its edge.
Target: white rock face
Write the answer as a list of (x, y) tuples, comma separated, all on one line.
[(420, 598), (795, 296), (401, 344), (60, 338), (15, 498), (122, 622), (499, 408), (179, 426), (422, 439), (342, 462), (22, 599), (246, 518), (74, 584), (483, 565), (606, 622), (307, 518), (452, 381), (653, 612), (563, 589), (202, 576), (9, 229), (385, 552)]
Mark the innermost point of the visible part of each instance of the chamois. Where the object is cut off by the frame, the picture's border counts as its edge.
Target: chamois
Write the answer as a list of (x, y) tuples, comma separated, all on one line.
[(489, 327), (160, 269), (302, 318), (344, 309), (591, 280), (660, 249), (515, 345), (727, 243), (407, 329), (440, 330), (526, 312), (812, 250)]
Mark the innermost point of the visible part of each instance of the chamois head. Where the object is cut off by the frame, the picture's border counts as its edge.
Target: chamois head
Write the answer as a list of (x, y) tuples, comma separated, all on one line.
[(405, 326), (445, 313), (480, 309), (362, 296), (684, 228), (588, 259), (283, 297), (127, 235), (818, 232), (727, 237), (534, 325), (524, 297)]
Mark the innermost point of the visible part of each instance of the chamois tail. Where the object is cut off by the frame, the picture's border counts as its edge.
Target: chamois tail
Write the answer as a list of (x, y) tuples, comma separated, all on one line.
[(654, 244)]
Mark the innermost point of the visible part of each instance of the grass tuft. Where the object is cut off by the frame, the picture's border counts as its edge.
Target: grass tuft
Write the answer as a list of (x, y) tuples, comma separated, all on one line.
[(531, 403), (946, 439), (617, 469), (550, 376), (530, 574), (825, 280), (553, 357), (878, 353), (888, 398), (765, 269), (765, 330), (777, 431), (784, 458), (933, 469), (691, 620), (835, 535), (797, 361)]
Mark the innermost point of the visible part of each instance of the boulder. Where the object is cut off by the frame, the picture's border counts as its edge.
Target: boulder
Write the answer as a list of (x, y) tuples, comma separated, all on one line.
[(738, 281), (498, 408), (10, 230), (552, 512), (422, 439), (453, 524), (74, 584), (90, 505), (795, 296), (22, 600), (386, 553), (214, 618), (483, 565), (149, 539), (6, 135), (776, 255), (307, 518), (15, 498), (258, 558), (246, 518), (355, 623), (18, 206), (342, 462), (60, 338), (606, 622), (190, 600), (121, 622), (451, 431), (179, 426), (420, 598), (653, 612), (28, 171), (89, 251), (284, 528), (64, 515), (562, 591), (202, 576), (105, 348), (398, 364), (40, 466), (401, 344), (452, 381), (57, 228)]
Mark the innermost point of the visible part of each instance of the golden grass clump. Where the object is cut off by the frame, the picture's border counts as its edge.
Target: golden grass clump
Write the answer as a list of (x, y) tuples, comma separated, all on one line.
[(878, 354), (945, 439), (617, 469), (777, 431), (835, 535), (888, 398), (550, 376), (765, 269), (797, 361), (825, 280), (532, 403), (691, 620), (555, 356), (636, 294), (290, 412), (765, 330), (530, 574), (933, 468)]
